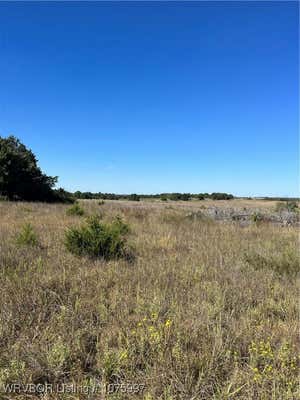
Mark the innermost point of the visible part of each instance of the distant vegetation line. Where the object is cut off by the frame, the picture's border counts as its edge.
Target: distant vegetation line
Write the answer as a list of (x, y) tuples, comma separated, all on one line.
[(161, 196), (174, 196), (22, 179)]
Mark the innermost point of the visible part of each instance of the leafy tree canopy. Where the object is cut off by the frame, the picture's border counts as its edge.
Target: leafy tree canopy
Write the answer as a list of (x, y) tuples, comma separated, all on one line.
[(20, 176)]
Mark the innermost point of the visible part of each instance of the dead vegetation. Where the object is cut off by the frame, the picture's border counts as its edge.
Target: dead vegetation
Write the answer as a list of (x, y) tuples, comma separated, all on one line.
[(205, 310)]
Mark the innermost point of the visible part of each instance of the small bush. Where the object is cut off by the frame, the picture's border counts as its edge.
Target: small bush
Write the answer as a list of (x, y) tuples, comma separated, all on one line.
[(27, 236), (121, 226), (101, 203), (75, 209), (98, 239)]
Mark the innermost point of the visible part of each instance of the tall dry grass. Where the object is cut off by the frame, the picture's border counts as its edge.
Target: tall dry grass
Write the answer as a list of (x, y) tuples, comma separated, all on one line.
[(205, 311)]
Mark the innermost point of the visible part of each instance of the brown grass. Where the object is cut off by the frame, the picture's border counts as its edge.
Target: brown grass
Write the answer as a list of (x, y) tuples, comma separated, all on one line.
[(234, 203), (197, 314)]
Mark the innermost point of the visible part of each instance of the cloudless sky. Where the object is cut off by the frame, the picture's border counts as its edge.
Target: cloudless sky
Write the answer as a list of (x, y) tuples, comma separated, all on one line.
[(155, 97)]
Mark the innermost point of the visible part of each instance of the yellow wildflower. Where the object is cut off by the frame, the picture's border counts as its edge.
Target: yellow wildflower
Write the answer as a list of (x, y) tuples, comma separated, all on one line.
[(168, 323)]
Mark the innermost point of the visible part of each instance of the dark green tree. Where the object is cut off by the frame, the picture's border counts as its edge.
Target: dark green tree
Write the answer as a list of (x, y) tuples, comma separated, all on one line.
[(134, 197), (20, 176), (221, 196)]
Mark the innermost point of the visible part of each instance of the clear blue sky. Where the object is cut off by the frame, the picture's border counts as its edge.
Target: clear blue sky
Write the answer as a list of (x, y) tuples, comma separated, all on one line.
[(155, 97)]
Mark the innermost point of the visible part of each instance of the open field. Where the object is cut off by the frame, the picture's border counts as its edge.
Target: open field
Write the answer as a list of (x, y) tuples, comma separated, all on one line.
[(242, 210), (235, 203), (205, 310), (268, 206)]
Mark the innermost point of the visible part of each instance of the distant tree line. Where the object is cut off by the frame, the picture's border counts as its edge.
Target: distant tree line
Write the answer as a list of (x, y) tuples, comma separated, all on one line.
[(161, 196), (106, 196), (22, 179)]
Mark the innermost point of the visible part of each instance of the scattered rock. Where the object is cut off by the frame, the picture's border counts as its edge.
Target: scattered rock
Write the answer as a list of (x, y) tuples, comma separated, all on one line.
[(247, 216)]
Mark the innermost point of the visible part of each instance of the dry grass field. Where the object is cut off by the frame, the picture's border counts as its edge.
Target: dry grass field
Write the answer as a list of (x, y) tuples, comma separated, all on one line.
[(205, 310)]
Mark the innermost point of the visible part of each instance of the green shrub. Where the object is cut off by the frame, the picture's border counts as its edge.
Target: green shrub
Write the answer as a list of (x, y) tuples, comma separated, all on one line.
[(98, 239), (27, 236), (75, 209), (101, 202), (121, 226)]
